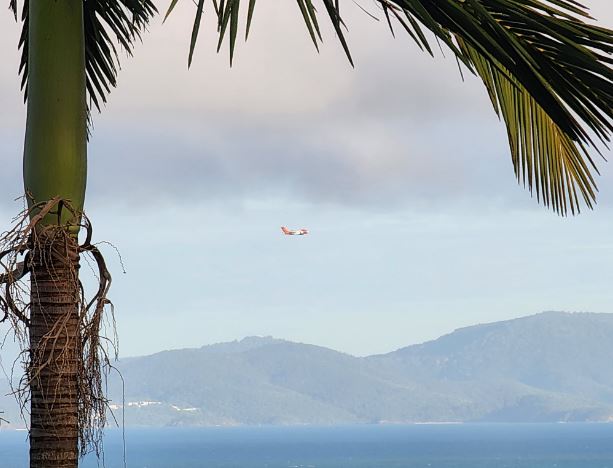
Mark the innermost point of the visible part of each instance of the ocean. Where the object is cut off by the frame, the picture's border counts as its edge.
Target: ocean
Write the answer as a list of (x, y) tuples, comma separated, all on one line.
[(368, 446)]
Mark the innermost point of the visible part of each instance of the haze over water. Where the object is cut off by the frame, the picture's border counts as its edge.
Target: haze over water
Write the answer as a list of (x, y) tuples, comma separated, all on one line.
[(367, 446)]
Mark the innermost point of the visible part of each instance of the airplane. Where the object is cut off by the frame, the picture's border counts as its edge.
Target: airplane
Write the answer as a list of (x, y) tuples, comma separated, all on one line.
[(294, 232)]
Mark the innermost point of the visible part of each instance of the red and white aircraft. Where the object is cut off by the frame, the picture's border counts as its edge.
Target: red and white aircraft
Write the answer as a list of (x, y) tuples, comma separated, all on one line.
[(294, 232)]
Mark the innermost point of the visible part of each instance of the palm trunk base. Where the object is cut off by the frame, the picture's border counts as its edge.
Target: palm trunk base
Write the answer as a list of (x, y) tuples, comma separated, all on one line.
[(55, 349), (65, 363)]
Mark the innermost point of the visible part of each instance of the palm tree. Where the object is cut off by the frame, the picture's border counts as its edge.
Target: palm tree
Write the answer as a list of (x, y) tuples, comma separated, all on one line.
[(68, 57), (546, 69)]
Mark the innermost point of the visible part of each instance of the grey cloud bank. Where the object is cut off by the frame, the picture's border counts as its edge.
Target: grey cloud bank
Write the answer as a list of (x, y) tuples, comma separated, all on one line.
[(400, 130), (357, 164)]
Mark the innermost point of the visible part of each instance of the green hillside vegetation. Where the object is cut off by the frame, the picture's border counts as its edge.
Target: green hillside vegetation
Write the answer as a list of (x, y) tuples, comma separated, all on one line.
[(548, 367)]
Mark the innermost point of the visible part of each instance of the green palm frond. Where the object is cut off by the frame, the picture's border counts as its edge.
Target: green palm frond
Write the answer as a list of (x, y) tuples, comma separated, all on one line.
[(546, 68), (107, 22), (546, 160)]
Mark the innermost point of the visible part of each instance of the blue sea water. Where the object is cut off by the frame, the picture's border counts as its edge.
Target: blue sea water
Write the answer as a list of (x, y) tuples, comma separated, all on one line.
[(369, 446)]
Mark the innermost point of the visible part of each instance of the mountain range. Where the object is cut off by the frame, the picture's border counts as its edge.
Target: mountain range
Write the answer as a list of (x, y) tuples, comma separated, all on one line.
[(552, 366)]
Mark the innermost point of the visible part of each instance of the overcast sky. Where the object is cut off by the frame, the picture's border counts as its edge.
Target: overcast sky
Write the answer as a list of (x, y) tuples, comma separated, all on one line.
[(400, 170)]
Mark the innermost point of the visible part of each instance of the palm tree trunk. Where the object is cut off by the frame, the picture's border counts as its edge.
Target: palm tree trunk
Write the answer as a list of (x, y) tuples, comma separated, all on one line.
[(55, 160), (55, 153), (56, 352)]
